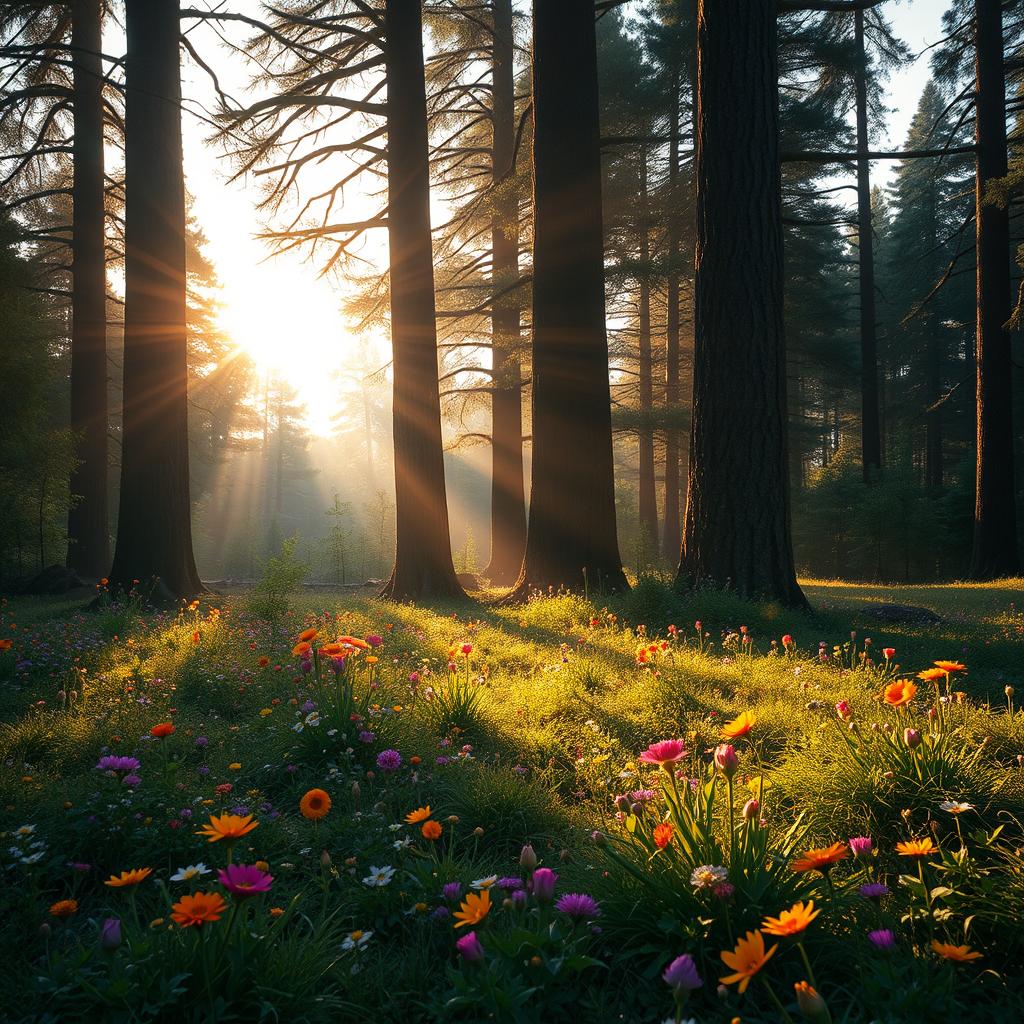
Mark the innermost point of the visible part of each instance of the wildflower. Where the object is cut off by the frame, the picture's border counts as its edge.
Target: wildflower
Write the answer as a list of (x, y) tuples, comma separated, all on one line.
[(513, 882), (916, 847), (955, 807), (474, 908), (821, 859), (306, 636), (544, 880), (792, 921), (663, 835), (389, 760), (898, 694), (64, 908), (912, 738), (528, 858), (861, 846), (244, 880), (682, 974), (746, 959), (959, 954), (751, 809), (128, 878), (110, 933), (379, 877), (723, 891), (484, 883), (198, 909), (578, 906), (810, 1004), (162, 730), (431, 831), (874, 890), (705, 876), (466, 649), (234, 767), (889, 653), (726, 760), (950, 667), (844, 711), (882, 938), (739, 726), (469, 947), (452, 891), (420, 814), (227, 826), (190, 872), (315, 804), (664, 752), (356, 940)]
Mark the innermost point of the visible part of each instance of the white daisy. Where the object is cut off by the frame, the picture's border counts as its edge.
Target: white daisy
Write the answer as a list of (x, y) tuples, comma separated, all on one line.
[(707, 876), (25, 830), (484, 883), (955, 806), (379, 877), (192, 871), (356, 940), (402, 844)]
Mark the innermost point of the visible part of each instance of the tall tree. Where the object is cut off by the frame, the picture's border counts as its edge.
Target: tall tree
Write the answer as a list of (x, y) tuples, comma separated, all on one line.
[(571, 533), (737, 528), (154, 529), (994, 551)]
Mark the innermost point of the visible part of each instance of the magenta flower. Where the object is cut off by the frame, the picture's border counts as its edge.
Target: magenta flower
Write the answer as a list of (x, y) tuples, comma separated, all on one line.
[(861, 846), (882, 939), (664, 752), (874, 890), (374, 640), (544, 880), (726, 760), (389, 760), (682, 974), (579, 906), (243, 880), (469, 948)]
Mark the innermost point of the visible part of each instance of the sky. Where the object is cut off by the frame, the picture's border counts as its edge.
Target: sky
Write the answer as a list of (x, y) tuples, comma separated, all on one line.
[(289, 319)]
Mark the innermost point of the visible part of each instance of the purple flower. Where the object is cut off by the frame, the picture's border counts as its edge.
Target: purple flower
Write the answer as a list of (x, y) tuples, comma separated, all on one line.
[(578, 905), (308, 706), (243, 880), (882, 939), (389, 760), (442, 761), (723, 890), (544, 880), (452, 891), (202, 741), (874, 890), (469, 948), (441, 914), (203, 770), (114, 763), (110, 933), (374, 640), (510, 884), (366, 736), (682, 974), (861, 846), (518, 898), (131, 781)]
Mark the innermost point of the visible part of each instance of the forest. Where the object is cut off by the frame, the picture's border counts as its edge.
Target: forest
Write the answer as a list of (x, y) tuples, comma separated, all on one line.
[(551, 465)]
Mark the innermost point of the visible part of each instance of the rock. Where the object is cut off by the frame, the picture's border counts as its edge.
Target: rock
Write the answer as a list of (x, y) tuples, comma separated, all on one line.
[(902, 613)]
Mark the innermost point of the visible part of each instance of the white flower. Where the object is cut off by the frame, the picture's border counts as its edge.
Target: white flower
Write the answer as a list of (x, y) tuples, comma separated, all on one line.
[(402, 844), (356, 940), (192, 871), (313, 719), (484, 883), (34, 858), (396, 828), (298, 727), (379, 877), (955, 806), (25, 830), (707, 876)]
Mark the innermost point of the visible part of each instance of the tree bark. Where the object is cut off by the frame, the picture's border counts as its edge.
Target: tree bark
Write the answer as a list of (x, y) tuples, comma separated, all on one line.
[(154, 531), (571, 534), (88, 528), (737, 530), (648, 502), (994, 553), (423, 557), (871, 435), (508, 496)]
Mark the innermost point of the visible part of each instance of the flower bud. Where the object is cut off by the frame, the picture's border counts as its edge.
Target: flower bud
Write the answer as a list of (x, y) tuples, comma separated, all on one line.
[(750, 809), (812, 1006), (544, 880), (622, 804), (726, 760), (528, 859), (911, 737), (469, 948), (478, 832), (1008, 691), (110, 933)]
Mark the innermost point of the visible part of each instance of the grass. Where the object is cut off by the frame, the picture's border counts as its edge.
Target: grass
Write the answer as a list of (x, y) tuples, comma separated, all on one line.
[(532, 749)]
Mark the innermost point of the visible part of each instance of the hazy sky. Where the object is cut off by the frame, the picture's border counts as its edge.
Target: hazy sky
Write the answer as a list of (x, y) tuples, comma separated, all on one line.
[(289, 319)]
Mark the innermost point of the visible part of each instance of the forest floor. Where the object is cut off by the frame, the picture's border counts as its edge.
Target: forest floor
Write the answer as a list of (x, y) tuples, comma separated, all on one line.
[(511, 726)]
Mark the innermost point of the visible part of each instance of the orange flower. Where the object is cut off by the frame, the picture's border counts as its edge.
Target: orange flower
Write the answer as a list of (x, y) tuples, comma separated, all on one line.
[(420, 814), (306, 635), (917, 848), (332, 651), (960, 954), (739, 726), (821, 859), (197, 909), (302, 649), (6, 645), (746, 959), (162, 730), (792, 921), (128, 878), (64, 908), (315, 804), (475, 907), (431, 830), (663, 835), (264, 661), (227, 826), (899, 693), (931, 674), (951, 666), (353, 641)]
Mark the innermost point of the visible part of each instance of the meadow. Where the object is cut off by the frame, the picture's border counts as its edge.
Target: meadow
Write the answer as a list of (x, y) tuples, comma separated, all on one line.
[(647, 808)]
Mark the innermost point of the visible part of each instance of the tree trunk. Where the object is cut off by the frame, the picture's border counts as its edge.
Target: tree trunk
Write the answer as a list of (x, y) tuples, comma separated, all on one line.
[(994, 552), (933, 418), (88, 529), (671, 538), (737, 512), (154, 530), (647, 496), (423, 556), (508, 496), (871, 434), (571, 536)]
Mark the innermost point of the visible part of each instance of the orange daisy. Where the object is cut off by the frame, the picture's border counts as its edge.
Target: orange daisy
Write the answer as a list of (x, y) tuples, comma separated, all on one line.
[(475, 907), (739, 726), (315, 804), (821, 859), (899, 693), (917, 848), (353, 641), (931, 674), (128, 878), (959, 954), (420, 814), (306, 636), (431, 830), (792, 921), (227, 826), (302, 649), (64, 908), (951, 666), (746, 959), (198, 908)]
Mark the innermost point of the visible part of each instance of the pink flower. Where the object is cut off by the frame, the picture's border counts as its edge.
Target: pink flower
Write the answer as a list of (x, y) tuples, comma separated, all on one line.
[(469, 948), (466, 649), (664, 752), (861, 846), (374, 641), (787, 641), (544, 880), (726, 760), (243, 880), (844, 711)]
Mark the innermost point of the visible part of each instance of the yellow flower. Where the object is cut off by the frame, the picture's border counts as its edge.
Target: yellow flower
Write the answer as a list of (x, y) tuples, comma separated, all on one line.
[(420, 814), (739, 726), (792, 921), (960, 954), (128, 878), (227, 826), (746, 959), (916, 847), (234, 767), (475, 907)]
